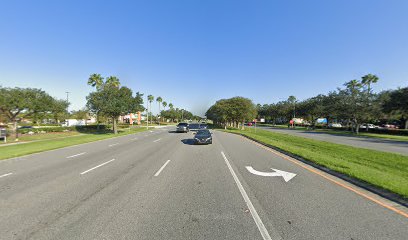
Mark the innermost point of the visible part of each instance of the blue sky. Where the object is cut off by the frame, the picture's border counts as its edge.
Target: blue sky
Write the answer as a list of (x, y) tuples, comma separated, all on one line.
[(192, 53)]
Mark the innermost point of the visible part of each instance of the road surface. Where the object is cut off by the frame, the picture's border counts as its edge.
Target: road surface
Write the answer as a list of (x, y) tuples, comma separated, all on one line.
[(378, 144), (156, 185)]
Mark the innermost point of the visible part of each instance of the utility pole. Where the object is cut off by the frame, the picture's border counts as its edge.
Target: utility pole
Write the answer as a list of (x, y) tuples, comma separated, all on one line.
[(147, 112), (67, 99)]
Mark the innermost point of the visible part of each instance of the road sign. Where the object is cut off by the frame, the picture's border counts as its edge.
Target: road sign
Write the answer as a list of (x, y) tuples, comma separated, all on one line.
[(287, 176)]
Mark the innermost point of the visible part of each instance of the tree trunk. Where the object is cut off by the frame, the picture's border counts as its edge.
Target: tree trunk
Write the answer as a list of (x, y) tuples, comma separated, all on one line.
[(356, 126), (115, 129), (16, 129)]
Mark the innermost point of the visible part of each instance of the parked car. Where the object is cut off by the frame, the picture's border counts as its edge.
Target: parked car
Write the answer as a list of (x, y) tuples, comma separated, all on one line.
[(335, 125), (203, 137), (182, 127), (369, 125), (25, 127)]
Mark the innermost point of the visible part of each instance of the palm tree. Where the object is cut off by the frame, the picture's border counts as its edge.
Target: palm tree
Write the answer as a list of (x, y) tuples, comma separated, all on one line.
[(112, 81), (159, 100), (150, 98), (164, 105), (367, 80), (292, 101), (95, 80), (171, 105)]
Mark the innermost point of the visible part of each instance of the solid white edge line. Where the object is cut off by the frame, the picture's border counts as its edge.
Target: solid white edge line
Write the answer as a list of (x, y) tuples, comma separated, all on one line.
[(113, 144), (5, 175), (157, 140), (254, 213), (100, 165), (76, 155), (161, 169)]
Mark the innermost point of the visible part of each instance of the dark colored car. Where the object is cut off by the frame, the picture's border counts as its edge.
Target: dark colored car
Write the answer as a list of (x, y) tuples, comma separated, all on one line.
[(194, 126), (203, 137), (182, 127), (24, 127)]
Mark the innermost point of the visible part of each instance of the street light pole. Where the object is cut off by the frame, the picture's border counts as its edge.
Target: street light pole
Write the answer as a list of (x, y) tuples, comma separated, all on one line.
[(67, 99), (147, 112)]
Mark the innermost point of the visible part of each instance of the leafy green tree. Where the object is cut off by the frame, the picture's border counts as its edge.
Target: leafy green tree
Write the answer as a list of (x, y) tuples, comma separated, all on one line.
[(397, 103), (23, 101), (232, 112), (114, 101), (59, 109)]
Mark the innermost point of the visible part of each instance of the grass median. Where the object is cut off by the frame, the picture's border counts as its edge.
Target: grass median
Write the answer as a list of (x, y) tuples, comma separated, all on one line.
[(385, 170), (50, 144)]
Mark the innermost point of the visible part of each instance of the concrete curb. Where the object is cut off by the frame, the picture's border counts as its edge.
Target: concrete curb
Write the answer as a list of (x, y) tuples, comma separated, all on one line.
[(367, 186)]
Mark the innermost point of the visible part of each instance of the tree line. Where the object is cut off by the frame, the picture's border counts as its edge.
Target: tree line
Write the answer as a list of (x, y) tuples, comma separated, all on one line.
[(109, 100), (352, 104)]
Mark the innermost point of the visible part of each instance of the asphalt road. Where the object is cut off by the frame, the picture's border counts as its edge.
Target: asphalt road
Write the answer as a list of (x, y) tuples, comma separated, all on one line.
[(378, 144), (155, 185)]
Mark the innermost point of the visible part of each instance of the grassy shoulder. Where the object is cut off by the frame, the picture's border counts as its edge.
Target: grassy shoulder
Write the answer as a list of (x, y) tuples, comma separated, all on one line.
[(59, 142), (385, 170), (362, 133)]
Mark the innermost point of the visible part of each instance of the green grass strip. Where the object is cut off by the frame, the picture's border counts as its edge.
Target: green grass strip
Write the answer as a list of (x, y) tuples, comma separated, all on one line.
[(385, 170), (40, 146)]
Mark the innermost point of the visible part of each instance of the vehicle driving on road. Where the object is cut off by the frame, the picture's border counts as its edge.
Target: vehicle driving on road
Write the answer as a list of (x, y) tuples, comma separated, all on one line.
[(203, 137), (182, 127)]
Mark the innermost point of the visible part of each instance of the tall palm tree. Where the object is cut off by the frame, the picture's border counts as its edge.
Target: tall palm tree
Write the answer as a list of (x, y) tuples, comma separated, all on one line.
[(353, 86), (150, 98), (171, 105), (95, 80), (159, 100), (112, 81), (292, 101), (164, 105), (367, 80)]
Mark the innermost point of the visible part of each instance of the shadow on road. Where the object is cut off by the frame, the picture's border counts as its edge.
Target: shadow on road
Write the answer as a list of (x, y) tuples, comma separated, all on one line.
[(188, 141)]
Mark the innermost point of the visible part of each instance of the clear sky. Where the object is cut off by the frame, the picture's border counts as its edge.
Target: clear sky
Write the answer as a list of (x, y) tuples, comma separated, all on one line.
[(192, 53)]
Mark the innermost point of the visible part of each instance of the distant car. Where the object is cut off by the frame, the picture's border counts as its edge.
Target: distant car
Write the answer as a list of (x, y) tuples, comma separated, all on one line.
[(335, 125), (182, 127), (249, 124), (203, 137), (370, 126), (194, 126), (203, 126), (24, 127)]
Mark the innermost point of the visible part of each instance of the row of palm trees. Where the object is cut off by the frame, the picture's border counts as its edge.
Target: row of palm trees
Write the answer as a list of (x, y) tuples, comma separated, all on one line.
[(159, 100), (96, 80)]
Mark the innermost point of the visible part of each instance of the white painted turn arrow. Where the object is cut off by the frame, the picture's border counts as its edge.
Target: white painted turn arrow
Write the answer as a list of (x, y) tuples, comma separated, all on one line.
[(287, 176)]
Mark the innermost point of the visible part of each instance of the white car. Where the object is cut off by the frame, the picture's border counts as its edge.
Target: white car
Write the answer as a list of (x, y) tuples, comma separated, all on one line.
[(335, 125), (370, 126)]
